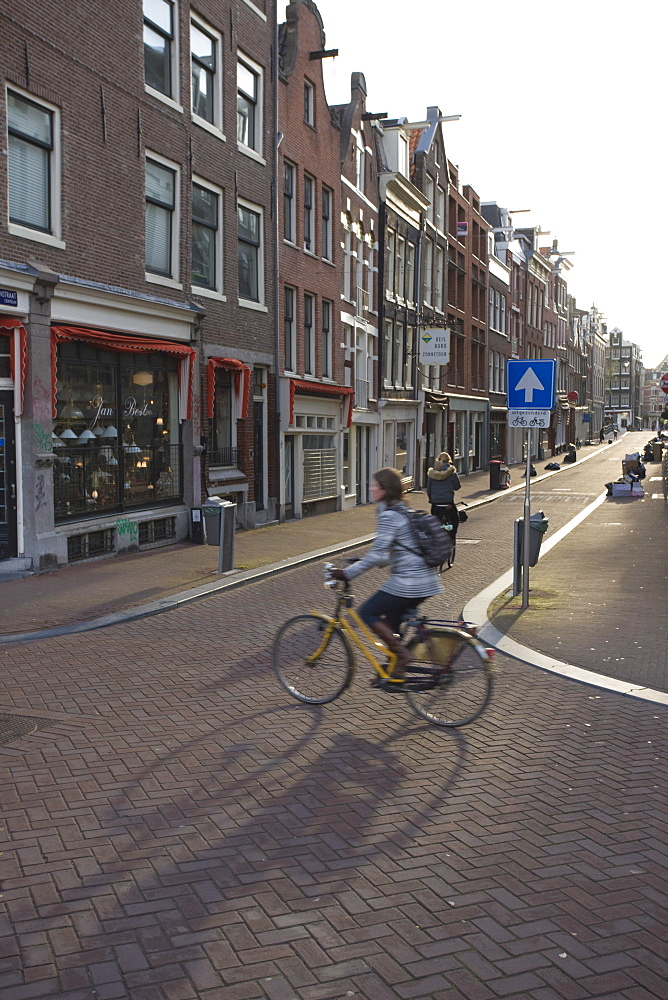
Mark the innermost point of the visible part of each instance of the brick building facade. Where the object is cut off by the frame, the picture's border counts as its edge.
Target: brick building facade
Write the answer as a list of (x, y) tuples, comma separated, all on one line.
[(134, 211)]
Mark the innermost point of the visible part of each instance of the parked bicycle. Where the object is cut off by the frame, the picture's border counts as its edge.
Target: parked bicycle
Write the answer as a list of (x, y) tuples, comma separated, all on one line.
[(448, 681)]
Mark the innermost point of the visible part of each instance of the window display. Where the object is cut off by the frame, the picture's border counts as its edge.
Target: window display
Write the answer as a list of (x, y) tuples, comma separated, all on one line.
[(116, 432)]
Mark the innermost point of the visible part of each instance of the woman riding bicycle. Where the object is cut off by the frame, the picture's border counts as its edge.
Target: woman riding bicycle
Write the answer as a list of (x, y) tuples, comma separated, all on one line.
[(411, 580), (442, 482)]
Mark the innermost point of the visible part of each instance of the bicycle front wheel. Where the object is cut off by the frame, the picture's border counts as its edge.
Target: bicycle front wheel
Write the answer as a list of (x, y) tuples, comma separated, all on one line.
[(313, 659), (451, 675)]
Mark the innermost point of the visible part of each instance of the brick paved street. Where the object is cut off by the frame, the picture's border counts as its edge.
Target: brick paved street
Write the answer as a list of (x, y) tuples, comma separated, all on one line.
[(179, 828)]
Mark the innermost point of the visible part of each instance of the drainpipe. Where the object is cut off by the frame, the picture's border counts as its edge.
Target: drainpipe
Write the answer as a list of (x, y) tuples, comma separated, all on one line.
[(277, 395)]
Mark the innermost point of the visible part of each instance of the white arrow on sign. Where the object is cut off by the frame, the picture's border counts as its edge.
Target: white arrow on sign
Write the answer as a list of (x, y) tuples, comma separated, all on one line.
[(529, 382)]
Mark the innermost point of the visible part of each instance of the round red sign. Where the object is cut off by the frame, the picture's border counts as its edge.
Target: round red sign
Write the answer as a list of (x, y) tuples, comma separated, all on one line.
[(573, 397), (664, 382)]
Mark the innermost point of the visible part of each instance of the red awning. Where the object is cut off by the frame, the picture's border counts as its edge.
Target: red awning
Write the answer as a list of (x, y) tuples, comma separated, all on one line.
[(241, 384), (322, 389), (125, 342), (18, 358)]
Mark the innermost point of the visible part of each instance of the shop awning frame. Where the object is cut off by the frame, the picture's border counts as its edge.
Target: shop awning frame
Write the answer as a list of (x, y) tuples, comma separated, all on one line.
[(110, 341), (18, 358), (241, 384), (346, 392)]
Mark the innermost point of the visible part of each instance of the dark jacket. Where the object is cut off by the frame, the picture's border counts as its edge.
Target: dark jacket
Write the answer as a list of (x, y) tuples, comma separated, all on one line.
[(441, 485)]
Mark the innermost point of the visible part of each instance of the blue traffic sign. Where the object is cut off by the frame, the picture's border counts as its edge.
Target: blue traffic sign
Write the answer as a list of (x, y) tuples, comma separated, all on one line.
[(531, 384)]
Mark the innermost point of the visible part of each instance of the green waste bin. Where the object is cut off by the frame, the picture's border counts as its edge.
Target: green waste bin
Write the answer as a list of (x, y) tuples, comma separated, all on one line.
[(538, 525)]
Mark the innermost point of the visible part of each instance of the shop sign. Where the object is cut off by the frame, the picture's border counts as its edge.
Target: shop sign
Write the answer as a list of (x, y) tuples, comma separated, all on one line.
[(132, 409), (435, 347), (100, 410), (9, 298)]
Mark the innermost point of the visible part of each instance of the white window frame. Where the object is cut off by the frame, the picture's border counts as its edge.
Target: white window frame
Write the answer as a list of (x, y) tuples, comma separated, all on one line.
[(427, 279), (309, 103), (252, 303), (290, 336), (326, 223), (388, 347), (291, 214), (171, 280), (391, 275), (439, 217), (360, 161), (53, 236), (216, 126), (309, 199), (255, 151), (171, 99), (217, 291), (430, 187), (438, 278), (401, 267)]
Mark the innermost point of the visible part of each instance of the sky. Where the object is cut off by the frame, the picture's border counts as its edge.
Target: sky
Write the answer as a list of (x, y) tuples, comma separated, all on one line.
[(563, 112)]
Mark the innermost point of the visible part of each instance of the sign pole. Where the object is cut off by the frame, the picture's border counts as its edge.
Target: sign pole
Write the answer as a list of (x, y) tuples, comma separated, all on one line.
[(527, 526)]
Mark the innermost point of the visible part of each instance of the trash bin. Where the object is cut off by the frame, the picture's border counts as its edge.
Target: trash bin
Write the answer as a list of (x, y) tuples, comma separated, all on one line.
[(656, 448), (538, 525), (495, 474), (196, 526), (213, 509)]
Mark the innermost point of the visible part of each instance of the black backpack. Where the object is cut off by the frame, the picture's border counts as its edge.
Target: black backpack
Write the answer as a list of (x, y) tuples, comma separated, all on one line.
[(432, 541)]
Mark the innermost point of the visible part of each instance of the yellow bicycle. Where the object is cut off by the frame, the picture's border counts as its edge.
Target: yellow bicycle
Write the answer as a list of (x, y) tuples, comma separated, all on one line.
[(448, 682)]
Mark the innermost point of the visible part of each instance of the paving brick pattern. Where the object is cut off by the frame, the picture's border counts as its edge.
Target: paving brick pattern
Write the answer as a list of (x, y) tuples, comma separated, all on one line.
[(195, 833)]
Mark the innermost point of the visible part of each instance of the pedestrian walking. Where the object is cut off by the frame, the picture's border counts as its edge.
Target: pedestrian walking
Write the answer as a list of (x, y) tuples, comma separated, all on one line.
[(601, 435)]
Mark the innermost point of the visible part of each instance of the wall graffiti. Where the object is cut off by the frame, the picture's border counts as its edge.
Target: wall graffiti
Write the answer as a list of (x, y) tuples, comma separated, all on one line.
[(40, 492), (41, 438), (126, 527)]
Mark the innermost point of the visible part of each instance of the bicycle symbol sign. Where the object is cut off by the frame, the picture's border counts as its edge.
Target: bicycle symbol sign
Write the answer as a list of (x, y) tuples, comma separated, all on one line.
[(528, 418)]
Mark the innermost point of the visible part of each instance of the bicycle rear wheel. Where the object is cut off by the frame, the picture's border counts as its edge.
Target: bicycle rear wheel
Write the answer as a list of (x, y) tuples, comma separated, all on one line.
[(312, 665), (454, 671)]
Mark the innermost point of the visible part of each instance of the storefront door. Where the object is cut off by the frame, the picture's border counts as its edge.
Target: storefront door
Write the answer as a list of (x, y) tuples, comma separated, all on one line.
[(258, 447), (8, 548)]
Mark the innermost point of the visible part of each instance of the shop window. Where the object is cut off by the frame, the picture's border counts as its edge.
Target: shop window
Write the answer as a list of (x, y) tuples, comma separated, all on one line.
[(206, 238), (401, 457), (320, 478), (249, 253), (206, 73), (116, 433), (5, 357), (159, 46), (222, 429), (33, 164)]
